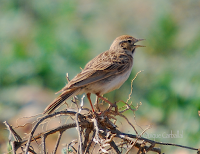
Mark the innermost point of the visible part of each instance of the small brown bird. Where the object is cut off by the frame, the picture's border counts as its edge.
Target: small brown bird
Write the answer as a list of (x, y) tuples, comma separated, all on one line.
[(103, 74)]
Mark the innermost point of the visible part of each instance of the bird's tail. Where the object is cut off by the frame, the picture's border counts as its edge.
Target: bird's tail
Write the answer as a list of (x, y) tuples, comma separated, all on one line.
[(58, 101)]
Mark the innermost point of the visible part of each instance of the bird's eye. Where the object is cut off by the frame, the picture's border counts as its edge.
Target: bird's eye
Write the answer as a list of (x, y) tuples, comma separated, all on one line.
[(129, 41)]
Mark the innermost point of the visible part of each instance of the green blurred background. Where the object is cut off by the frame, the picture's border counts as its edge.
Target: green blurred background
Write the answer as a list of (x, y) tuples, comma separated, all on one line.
[(40, 41)]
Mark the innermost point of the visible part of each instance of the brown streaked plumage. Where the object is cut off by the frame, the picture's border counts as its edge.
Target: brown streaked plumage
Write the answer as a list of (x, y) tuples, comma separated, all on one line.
[(105, 73)]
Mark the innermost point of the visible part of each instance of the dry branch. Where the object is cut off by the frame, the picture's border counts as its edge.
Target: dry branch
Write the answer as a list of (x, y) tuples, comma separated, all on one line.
[(94, 129), (96, 132)]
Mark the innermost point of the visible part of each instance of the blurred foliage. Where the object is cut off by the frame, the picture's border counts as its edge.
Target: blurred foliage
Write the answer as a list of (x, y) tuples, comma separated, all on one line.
[(162, 37), (34, 52), (40, 41)]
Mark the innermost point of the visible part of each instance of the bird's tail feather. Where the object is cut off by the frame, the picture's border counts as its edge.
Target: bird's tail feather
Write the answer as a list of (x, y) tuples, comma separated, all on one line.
[(57, 102)]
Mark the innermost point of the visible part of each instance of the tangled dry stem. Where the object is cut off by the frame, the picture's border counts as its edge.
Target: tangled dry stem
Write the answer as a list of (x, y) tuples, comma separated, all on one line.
[(97, 132)]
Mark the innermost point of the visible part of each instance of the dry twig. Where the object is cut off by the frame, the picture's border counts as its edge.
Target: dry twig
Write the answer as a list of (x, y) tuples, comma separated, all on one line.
[(96, 132)]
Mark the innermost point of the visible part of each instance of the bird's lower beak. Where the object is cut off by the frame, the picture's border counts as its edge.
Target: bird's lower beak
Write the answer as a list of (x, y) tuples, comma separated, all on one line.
[(139, 45)]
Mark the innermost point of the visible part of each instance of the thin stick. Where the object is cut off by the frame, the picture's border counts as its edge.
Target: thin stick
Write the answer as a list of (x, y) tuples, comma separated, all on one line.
[(79, 135), (43, 144), (58, 141), (89, 145), (86, 136), (129, 97)]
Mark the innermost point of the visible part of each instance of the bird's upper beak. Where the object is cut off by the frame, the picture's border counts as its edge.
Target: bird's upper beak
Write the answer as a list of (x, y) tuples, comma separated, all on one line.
[(137, 40)]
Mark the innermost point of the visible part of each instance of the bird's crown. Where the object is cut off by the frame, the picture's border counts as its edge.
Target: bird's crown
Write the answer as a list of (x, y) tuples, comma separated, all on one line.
[(126, 42)]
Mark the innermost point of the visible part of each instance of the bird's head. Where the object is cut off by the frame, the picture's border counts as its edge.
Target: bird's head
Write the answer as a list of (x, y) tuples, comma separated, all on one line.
[(125, 42)]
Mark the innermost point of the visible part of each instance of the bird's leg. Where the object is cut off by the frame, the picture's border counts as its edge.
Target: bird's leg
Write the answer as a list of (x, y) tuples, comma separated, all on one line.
[(88, 96), (107, 101)]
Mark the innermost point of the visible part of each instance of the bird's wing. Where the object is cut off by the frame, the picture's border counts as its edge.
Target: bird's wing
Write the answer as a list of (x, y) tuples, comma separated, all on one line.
[(100, 68)]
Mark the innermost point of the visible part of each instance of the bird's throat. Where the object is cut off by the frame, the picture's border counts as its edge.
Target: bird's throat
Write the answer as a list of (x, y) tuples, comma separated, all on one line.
[(133, 50)]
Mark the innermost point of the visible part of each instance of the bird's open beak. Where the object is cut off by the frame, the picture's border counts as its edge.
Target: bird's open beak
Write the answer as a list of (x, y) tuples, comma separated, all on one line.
[(139, 45)]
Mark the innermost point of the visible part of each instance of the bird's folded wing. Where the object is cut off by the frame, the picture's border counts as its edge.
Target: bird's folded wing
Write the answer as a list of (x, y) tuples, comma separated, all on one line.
[(98, 72)]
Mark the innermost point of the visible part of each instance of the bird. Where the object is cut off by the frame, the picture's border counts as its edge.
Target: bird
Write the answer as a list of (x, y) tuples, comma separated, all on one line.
[(103, 74)]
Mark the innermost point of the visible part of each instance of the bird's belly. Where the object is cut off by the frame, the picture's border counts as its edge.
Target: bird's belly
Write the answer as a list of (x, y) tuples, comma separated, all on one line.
[(109, 84)]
